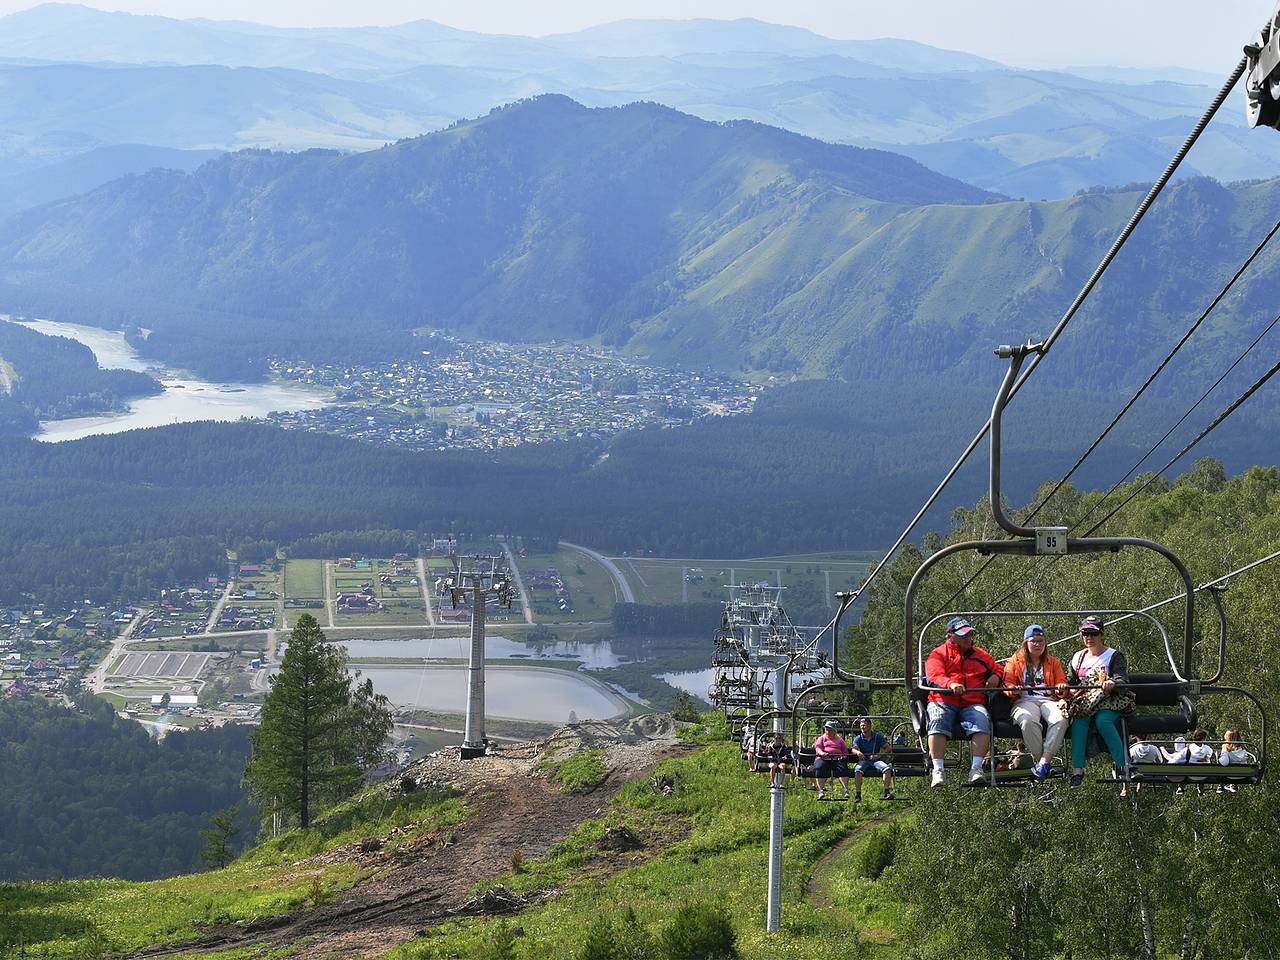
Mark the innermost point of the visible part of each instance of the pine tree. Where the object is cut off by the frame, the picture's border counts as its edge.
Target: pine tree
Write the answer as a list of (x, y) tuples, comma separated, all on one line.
[(219, 838), (316, 733)]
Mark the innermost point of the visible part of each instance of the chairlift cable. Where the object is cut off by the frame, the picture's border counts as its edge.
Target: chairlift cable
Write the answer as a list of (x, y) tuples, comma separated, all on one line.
[(1235, 405), (1132, 470), (1079, 300), (1182, 596)]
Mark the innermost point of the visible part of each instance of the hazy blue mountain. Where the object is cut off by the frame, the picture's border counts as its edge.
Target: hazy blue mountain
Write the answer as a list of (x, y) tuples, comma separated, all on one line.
[(736, 246), (1038, 134), (83, 172), (543, 219), (675, 38)]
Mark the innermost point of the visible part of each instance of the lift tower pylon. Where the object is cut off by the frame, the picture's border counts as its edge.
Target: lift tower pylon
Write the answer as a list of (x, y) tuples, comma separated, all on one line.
[(480, 579)]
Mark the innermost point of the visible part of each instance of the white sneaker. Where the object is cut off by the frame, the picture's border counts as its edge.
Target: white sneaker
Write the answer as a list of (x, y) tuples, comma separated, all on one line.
[(935, 780), (977, 776)]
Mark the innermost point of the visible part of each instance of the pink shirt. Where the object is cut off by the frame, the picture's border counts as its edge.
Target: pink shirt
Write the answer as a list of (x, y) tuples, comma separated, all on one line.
[(830, 745)]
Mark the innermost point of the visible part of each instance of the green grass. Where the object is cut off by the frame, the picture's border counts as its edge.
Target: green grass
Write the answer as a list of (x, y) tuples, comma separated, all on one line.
[(114, 699), (578, 772), (73, 919), (591, 592), (714, 827), (304, 579)]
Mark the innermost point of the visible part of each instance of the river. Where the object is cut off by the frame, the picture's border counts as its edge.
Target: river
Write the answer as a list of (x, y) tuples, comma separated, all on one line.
[(184, 399)]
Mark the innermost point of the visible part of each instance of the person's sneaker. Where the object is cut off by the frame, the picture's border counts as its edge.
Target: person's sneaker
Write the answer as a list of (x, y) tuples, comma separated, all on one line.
[(887, 795), (976, 776), (1180, 791), (857, 797), (936, 778), (1076, 779), (821, 795), (1230, 788), (1041, 770)]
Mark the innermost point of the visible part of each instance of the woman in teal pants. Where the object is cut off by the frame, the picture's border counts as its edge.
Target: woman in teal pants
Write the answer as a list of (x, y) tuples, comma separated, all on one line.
[(1110, 664)]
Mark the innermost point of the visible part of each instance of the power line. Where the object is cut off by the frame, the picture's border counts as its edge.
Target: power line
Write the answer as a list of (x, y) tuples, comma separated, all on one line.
[(1079, 300)]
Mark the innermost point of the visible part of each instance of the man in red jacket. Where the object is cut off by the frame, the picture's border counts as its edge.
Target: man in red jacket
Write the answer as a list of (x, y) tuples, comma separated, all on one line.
[(960, 674)]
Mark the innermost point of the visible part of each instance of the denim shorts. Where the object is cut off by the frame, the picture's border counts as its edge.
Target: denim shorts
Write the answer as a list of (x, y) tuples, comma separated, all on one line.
[(870, 767), (973, 719), (825, 767)]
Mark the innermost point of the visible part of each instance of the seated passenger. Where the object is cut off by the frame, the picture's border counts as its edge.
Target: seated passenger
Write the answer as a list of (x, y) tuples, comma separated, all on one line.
[(1233, 751), (832, 754), (1096, 671), (777, 755), (868, 750), (1037, 683), (961, 673), (1142, 752), (748, 742)]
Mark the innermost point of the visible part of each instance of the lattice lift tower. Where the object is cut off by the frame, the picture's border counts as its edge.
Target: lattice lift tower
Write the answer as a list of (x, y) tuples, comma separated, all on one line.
[(482, 580)]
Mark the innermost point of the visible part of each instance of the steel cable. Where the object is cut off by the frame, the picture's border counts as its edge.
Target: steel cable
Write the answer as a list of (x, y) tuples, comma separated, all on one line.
[(1155, 191)]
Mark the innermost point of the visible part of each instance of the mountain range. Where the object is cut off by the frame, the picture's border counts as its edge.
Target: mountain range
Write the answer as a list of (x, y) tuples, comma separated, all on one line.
[(735, 246), (78, 79)]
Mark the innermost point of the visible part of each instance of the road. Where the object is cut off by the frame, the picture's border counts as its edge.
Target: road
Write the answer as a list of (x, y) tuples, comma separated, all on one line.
[(426, 591), (515, 574), (98, 679), (624, 588), (217, 607), (328, 590)]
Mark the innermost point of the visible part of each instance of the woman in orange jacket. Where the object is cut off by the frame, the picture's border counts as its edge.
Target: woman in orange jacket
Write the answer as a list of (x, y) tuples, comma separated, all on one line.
[(1035, 681)]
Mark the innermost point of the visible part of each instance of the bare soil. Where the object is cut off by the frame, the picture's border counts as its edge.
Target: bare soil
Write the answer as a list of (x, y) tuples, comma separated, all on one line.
[(512, 807)]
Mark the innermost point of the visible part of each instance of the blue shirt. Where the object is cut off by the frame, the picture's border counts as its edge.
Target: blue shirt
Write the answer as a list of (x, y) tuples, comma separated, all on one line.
[(870, 745)]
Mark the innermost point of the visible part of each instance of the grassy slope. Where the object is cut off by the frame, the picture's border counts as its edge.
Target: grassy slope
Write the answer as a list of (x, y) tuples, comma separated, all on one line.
[(722, 860), (70, 919), (715, 825)]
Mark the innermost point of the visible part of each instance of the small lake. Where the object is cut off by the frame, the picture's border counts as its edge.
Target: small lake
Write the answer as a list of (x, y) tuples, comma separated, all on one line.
[(517, 693), (596, 655), (696, 682), (184, 399)]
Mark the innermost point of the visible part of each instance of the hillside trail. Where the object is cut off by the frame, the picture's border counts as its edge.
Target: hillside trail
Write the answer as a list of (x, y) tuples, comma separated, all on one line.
[(818, 890), (432, 878)]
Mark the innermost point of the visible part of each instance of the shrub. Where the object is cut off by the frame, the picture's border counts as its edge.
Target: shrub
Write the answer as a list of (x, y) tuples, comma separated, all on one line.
[(699, 931), (684, 708), (878, 853)]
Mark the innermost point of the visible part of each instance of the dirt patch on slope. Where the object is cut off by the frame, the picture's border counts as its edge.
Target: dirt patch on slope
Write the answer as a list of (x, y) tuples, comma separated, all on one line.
[(511, 806)]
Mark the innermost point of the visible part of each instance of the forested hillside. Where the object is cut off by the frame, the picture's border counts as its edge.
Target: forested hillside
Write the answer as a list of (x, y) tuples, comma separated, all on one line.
[(743, 247), (1202, 865), (48, 378), (87, 794), (816, 466)]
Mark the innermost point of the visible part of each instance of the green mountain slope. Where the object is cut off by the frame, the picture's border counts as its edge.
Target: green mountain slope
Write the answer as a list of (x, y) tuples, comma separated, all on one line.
[(737, 246), (544, 219)]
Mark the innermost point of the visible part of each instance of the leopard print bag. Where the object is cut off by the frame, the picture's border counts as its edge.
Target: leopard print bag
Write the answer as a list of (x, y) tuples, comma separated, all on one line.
[(1089, 702)]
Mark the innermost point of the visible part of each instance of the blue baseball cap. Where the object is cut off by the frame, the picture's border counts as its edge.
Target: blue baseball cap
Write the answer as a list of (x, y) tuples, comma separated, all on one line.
[(1035, 630), (959, 626)]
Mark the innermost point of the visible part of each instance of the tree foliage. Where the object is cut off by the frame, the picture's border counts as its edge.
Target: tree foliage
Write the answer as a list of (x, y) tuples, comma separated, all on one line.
[(1084, 873), (318, 732), (86, 793)]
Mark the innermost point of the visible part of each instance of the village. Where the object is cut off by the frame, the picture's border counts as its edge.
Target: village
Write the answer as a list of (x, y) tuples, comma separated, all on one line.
[(488, 395)]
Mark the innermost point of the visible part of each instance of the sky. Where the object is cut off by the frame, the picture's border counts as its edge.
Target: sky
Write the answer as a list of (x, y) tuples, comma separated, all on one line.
[(1196, 34)]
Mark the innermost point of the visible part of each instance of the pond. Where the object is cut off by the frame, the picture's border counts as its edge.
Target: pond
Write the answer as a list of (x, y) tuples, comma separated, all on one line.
[(543, 694)]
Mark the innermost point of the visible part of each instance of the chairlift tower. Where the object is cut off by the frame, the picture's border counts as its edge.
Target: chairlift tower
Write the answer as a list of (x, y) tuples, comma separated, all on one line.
[(481, 579), (757, 639)]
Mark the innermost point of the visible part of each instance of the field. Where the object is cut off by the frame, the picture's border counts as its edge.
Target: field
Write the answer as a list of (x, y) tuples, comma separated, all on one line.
[(590, 590), (304, 579), (810, 582), (398, 597)]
